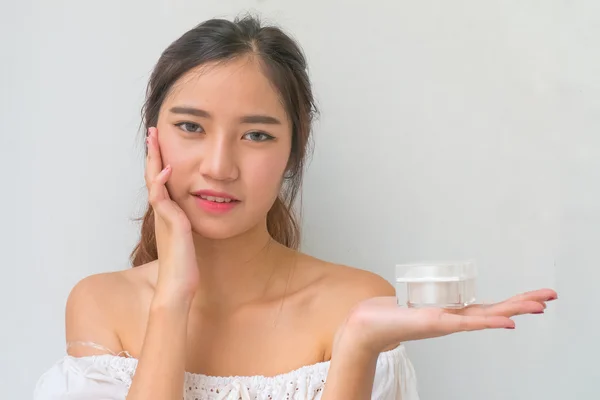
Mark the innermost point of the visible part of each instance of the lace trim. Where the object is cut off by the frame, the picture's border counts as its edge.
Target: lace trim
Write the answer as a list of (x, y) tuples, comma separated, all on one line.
[(304, 382), (114, 360)]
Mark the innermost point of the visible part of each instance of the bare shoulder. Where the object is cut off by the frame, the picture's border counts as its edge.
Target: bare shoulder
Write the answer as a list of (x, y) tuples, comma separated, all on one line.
[(97, 307), (343, 286), (337, 289)]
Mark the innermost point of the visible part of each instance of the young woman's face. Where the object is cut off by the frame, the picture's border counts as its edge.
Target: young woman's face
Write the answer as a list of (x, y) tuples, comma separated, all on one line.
[(227, 137)]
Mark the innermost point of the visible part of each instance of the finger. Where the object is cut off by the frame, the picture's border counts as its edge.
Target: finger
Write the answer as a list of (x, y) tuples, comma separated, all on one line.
[(540, 295), (452, 323), (158, 196), (153, 157), (505, 309)]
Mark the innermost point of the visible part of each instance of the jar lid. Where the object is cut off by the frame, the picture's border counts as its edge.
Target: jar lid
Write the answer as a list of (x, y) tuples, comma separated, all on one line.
[(436, 271)]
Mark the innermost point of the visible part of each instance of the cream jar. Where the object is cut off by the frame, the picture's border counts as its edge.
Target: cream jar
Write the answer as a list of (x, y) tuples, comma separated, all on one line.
[(443, 285)]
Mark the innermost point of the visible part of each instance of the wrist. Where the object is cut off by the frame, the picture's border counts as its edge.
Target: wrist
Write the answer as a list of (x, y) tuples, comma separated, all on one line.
[(352, 370), (351, 352), (164, 301), (352, 343)]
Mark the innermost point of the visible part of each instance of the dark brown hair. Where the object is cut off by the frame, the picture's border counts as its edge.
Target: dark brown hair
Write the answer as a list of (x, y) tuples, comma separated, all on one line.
[(284, 63)]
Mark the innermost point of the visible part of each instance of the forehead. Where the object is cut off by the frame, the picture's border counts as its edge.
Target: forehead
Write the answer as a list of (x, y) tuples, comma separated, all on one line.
[(231, 88)]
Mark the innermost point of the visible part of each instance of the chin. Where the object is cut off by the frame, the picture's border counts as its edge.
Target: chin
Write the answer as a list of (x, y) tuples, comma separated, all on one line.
[(225, 224), (214, 233), (219, 230)]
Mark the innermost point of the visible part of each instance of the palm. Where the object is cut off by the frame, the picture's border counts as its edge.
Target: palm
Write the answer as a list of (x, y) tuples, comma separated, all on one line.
[(381, 323)]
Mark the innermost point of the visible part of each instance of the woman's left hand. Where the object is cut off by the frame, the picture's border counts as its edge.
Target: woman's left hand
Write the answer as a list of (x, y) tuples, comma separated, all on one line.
[(379, 323)]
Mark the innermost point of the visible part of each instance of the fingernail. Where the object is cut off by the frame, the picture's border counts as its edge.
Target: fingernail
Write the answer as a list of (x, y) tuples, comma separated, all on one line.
[(510, 327), (538, 312)]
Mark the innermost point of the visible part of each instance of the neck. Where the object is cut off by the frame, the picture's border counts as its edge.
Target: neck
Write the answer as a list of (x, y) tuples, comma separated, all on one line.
[(238, 270)]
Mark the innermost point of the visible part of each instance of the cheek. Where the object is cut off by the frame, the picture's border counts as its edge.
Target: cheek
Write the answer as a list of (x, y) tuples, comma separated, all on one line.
[(264, 176), (182, 160), (173, 150)]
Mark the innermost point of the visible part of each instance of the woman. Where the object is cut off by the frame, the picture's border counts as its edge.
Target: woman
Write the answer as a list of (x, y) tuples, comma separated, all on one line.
[(220, 303)]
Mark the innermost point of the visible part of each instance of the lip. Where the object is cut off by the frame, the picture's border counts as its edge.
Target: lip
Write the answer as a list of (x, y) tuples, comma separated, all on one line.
[(213, 206), (214, 194)]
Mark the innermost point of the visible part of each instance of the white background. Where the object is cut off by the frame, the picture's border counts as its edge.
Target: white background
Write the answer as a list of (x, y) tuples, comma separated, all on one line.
[(449, 130)]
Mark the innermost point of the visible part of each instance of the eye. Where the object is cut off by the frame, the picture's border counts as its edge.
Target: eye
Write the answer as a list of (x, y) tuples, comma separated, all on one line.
[(190, 127), (258, 136)]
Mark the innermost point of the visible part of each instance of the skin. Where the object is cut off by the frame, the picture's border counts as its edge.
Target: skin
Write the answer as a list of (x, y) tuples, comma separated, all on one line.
[(227, 298)]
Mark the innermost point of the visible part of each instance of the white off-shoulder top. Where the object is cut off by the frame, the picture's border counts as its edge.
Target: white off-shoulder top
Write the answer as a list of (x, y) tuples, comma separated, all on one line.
[(109, 376)]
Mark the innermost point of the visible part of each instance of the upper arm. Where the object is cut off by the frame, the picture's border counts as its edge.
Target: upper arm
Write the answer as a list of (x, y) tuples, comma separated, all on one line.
[(343, 290), (357, 285), (88, 317), (368, 285)]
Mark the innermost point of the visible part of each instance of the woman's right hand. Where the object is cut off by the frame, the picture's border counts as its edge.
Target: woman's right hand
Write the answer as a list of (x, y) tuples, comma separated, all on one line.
[(178, 274)]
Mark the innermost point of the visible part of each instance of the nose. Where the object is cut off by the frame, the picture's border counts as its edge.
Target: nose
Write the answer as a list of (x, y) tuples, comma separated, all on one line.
[(219, 159)]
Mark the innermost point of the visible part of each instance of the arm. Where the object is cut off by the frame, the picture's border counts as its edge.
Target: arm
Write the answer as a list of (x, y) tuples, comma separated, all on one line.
[(379, 323), (351, 375), (90, 317), (352, 369), (160, 371), (161, 368)]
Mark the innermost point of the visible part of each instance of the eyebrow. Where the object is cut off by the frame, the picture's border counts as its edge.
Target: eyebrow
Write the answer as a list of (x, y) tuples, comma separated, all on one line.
[(247, 119), (190, 111)]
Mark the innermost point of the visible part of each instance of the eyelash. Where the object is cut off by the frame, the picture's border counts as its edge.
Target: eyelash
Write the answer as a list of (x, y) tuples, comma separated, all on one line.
[(266, 137), (182, 124)]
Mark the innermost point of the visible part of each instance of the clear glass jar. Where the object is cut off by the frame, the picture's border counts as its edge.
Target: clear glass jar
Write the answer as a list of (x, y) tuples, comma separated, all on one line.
[(444, 285)]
